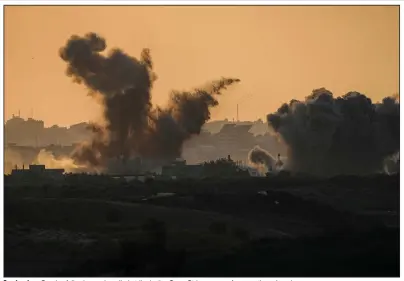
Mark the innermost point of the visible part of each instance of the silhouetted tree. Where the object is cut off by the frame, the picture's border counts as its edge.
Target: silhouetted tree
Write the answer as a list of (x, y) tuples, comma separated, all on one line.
[(223, 167)]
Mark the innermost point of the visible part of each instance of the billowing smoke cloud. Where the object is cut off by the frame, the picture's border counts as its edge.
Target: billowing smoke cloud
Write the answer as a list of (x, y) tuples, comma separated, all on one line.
[(50, 161), (134, 127), (392, 164), (346, 135), (261, 159), (13, 159)]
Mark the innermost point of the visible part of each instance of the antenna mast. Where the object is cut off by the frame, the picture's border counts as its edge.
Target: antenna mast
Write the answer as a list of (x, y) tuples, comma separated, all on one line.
[(237, 114)]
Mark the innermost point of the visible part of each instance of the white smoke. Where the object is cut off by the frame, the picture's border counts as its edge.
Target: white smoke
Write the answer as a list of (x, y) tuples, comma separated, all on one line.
[(11, 159), (263, 161), (48, 159), (392, 164)]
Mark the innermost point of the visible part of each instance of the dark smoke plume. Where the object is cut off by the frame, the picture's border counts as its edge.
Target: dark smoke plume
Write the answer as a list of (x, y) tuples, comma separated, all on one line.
[(123, 85), (347, 135)]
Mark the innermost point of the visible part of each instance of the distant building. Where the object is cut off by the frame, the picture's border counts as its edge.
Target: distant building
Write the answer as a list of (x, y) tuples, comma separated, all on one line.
[(38, 171), (221, 168), (22, 131), (232, 134), (234, 139), (33, 132), (179, 169)]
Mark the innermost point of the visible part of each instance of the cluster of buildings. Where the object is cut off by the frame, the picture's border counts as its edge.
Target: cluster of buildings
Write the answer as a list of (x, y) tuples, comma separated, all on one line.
[(36, 172), (218, 139), (232, 139), (32, 132), (177, 169), (224, 167)]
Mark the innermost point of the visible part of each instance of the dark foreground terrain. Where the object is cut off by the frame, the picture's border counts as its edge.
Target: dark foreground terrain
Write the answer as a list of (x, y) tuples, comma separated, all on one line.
[(96, 226)]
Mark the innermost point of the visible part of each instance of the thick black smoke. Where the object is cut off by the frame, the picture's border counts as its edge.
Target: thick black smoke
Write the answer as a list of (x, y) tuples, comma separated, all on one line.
[(347, 135), (123, 85)]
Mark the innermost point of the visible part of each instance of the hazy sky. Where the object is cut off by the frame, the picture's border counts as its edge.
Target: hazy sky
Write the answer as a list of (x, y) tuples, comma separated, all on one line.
[(279, 53)]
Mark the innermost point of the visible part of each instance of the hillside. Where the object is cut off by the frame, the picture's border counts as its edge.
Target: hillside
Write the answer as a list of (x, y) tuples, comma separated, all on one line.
[(95, 227)]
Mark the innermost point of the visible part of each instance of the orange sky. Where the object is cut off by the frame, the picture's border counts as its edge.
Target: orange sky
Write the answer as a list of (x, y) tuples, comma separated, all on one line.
[(279, 53)]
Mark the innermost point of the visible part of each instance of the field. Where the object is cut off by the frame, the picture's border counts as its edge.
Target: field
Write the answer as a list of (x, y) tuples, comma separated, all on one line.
[(282, 226)]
